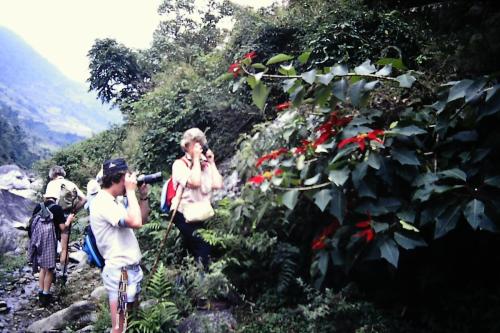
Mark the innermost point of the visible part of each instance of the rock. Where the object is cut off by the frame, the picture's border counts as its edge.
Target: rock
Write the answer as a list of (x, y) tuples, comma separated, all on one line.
[(13, 177), (14, 210), (63, 318), (99, 293), (86, 329), (78, 256), (208, 321), (3, 307)]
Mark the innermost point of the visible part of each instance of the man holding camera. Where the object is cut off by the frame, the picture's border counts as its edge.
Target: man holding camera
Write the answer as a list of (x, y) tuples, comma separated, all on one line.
[(112, 225)]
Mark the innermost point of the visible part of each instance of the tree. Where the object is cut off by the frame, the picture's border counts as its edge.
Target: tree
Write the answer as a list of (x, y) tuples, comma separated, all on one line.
[(117, 73)]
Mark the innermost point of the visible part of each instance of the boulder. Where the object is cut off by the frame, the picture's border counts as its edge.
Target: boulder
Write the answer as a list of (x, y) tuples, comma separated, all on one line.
[(78, 256), (63, 318), (14, 211), (208, 321), (99, 293), (13, 177)]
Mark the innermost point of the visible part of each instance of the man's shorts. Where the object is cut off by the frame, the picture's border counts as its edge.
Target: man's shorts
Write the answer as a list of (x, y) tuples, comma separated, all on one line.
[(111, 279)]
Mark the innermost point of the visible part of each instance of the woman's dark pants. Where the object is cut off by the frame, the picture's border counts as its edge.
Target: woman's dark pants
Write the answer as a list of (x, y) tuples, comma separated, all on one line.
[(196, 245)]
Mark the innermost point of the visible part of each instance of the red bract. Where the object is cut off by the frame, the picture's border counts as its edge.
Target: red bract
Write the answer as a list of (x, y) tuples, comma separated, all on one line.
[(360, 139), (367, 234), (235, 69), (278, 172), (323, 138), (302, 149), (250, 55), (318, 242), (271, 156), (283, 106), (259, 179)]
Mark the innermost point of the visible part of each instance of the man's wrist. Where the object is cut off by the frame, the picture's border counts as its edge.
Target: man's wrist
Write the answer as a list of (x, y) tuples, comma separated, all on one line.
[(143, 198)]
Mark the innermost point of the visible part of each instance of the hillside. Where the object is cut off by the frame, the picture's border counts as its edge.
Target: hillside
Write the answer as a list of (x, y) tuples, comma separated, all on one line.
[(53, 110)]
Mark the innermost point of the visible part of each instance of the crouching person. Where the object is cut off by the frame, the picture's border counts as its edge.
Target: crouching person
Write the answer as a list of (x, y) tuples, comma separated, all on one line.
[(112, 225)]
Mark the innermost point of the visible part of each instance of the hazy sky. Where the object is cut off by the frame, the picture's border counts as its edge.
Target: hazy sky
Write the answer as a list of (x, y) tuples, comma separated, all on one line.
[(64, 30)]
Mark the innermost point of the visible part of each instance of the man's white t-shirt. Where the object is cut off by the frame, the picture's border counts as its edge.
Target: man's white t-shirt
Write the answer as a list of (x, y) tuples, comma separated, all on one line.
[(116, 243)]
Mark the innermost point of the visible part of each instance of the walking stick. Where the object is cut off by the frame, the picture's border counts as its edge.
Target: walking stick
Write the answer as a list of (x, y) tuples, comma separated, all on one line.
[(164, 241), (65, 270)]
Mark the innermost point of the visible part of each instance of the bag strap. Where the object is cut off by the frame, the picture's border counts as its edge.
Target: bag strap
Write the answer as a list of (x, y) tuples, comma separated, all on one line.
[(170, 223)]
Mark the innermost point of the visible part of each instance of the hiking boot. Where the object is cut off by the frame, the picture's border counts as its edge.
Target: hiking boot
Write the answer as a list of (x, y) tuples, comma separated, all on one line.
[(45, 299)]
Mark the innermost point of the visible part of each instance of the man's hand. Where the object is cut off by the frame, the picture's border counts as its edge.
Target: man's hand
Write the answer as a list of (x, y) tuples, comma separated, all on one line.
[(69, 219), (130, 181), (143, 191)]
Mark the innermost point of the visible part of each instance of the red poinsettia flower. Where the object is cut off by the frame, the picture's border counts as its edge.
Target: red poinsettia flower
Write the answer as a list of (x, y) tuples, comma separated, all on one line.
[(318, 242), (278, 172), (271, 156), (360, 139), (367, 233), (323, 138), (303, 148), (235, 69), (250, 55), (283, 106), (257, 180)]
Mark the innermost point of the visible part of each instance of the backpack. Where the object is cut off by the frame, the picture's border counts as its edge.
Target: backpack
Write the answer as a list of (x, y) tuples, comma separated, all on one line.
[(44, 213), (94, 257), (68, 197), (168, 193)]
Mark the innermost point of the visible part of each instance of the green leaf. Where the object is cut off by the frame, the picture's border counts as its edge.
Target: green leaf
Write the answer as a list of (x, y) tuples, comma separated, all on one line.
[(312, 180), (447, 221), (408, 243), (386, 70), (474, 213), (259, 95), (322, 198), (259, 66), (225, 77), (365, 68), (288, 84), (290, 198), (405, 156), (338, 203), (374, 160), (287, 70), (357, 93), (390, 252), (458, 90), (323, 262), (394, 62), (406, 80), (371, 85), (325, 79), (339, 89), (304, 57), (407, 131), (251, 81), (466, 136), (340, 70), (493, 181), (453, 173), (309, 76), (279, 58), (408, 226), (339, 177), (492, 105), (359, 173)]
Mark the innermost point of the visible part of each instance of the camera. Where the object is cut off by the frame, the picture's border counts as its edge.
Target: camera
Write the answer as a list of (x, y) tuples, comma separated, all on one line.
[(149, 179), (204, 149)]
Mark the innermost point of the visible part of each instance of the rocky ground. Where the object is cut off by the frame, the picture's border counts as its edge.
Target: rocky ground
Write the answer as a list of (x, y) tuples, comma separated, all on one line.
[(23, 312)]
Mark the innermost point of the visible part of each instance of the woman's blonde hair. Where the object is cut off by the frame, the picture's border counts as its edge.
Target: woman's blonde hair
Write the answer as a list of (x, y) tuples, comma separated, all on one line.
[(192, 134), (56, 171)]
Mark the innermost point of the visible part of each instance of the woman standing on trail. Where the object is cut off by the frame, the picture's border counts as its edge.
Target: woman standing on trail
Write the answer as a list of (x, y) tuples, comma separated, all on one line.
[(194, 176), (47, 222)]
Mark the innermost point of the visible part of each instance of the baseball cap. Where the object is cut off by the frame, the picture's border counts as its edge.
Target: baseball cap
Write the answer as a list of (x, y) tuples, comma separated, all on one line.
[(114, 166)]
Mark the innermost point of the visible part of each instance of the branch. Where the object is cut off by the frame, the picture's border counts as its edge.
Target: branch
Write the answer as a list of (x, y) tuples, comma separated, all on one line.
[(303, 188), (275, 76)]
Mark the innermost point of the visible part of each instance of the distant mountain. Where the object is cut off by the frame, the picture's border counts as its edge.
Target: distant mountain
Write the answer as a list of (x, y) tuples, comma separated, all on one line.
[(52, 110)]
